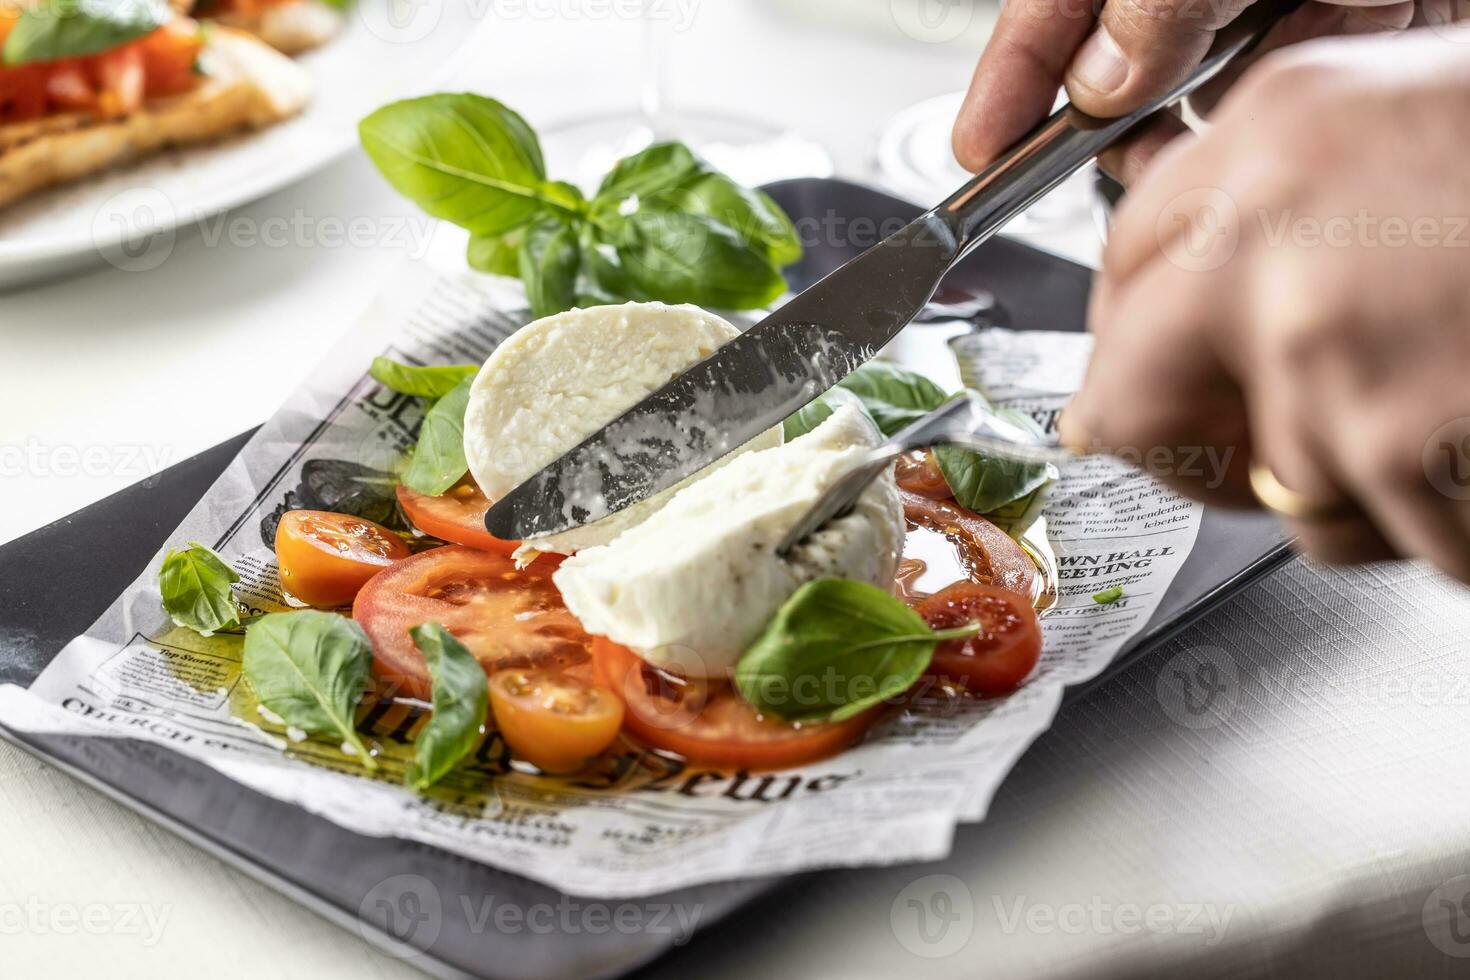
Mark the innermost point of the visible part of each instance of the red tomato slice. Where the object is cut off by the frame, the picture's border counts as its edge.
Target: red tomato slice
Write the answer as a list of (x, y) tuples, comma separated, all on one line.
[(997, 659), (988, 555), (457, 515), (506, 617), (709, 723), (917, 472), (325, 558), (170, 58)]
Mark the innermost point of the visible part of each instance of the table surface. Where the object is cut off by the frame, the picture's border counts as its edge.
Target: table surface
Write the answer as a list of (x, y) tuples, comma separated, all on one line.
[(1307, 821)]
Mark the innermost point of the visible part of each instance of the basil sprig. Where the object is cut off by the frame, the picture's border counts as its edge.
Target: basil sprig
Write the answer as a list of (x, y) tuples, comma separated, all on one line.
[(310, 669), (836, 648), (195, 585), (461, 699), (663, 225), (895, 396), (72, 28)]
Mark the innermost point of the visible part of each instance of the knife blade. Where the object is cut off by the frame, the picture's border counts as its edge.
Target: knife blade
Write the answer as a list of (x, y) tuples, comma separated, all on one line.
[(825, 332)]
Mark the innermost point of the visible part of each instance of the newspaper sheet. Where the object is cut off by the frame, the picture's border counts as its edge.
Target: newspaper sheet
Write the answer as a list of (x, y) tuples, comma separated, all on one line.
[(639, 824)]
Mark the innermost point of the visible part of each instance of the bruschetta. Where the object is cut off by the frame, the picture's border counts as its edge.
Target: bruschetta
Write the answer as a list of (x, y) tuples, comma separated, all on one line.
[(65, 118)]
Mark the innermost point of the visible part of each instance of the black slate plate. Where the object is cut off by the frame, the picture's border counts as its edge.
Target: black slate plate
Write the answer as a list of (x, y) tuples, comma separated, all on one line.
[(56, 581)]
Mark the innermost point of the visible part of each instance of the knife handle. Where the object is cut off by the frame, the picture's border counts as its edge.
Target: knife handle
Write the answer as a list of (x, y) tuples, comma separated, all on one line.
[(1061, 145)]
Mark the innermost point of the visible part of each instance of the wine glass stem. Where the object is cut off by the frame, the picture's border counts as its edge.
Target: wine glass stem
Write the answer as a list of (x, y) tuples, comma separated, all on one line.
[(655, 51)]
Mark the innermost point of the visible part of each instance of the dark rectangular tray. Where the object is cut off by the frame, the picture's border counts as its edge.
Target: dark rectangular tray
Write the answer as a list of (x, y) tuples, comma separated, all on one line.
[(56, 581)]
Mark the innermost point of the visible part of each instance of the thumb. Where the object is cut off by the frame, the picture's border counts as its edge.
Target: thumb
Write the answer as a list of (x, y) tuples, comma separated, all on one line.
[(1142, 48)]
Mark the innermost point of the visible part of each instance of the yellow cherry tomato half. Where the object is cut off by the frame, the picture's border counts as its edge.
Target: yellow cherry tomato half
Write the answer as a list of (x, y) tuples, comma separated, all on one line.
[(326, 558), (553, 719)]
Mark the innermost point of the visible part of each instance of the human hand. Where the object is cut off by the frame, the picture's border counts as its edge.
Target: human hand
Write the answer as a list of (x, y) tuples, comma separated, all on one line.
[(1292, 286), (1114, 63)]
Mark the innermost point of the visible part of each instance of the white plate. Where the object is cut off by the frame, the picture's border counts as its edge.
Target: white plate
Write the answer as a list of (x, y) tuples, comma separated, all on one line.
[(388, 49)]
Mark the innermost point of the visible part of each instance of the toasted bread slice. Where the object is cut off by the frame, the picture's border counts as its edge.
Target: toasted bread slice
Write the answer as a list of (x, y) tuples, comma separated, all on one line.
[(290, 28), (249, 85)]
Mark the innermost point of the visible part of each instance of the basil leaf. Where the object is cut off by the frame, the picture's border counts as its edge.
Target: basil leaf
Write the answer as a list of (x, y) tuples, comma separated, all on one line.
[(836, 648), (549, 261), (602, 268), (651, 169), (983, 483), (1108, 595), (195, 584), (496, 254), (689, 258), (814, 413), (438, 459), (464, 158), (310, 669), (72, 28), (894, 396), (753, 216), (461, 698), (431, 382)]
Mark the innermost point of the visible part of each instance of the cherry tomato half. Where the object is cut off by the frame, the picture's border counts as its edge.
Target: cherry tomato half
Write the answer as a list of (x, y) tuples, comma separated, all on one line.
[(918, 472), (709, 723), (997, 659), (457, 515), (988, 555), (324, 558), (507, 617), (554, 720)]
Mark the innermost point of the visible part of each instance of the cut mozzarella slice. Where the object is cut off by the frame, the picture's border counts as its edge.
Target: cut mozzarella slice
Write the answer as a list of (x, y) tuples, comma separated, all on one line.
[(558, 380), (691, 587)]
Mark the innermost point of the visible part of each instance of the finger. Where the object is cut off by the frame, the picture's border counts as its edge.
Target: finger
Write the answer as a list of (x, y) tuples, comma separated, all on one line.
[(1343, 541), (1142, 48), (1018, 76), (1176, 209), (1157, 396), (1126, 160), (1283, 439), (1310, 21), (1384, 471)]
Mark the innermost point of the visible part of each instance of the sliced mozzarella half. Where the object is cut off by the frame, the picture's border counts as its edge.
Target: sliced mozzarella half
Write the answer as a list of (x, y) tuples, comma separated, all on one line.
[(692, 586), (561, 378)]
